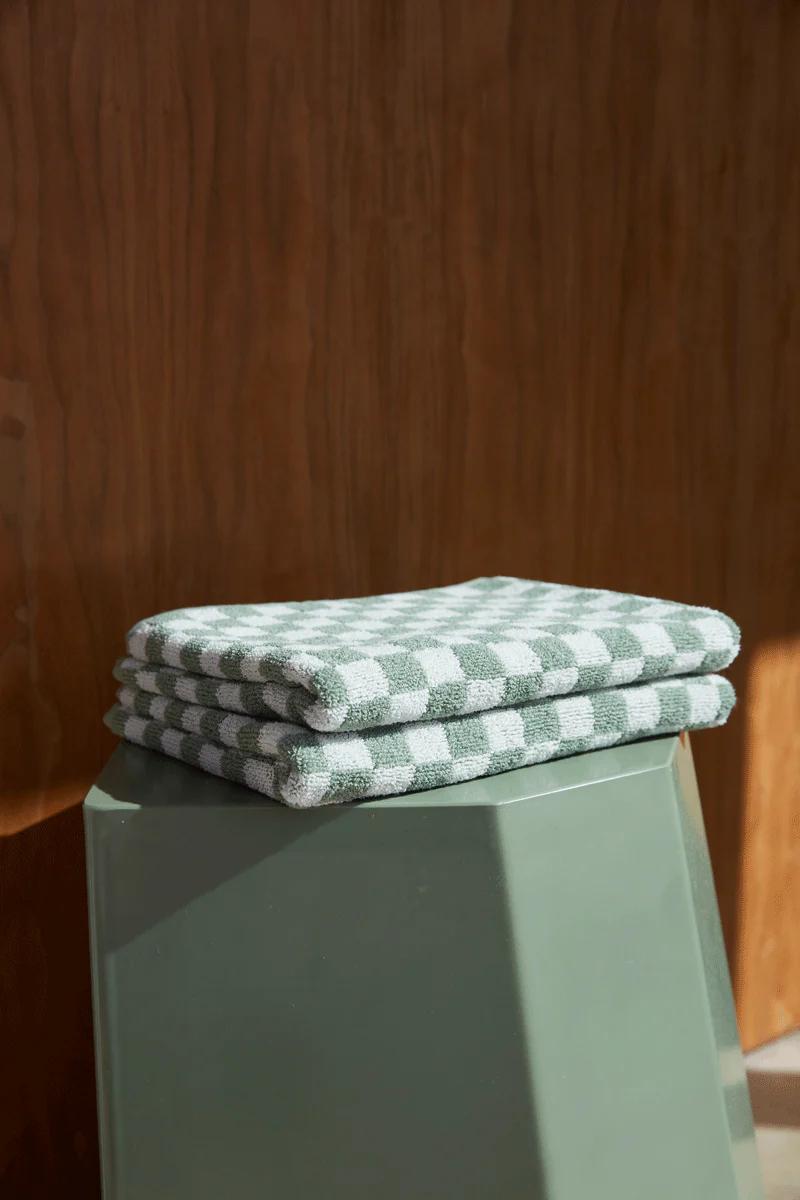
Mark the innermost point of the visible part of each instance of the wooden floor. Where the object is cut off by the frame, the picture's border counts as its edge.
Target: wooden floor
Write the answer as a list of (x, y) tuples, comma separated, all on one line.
[(774, 1075)]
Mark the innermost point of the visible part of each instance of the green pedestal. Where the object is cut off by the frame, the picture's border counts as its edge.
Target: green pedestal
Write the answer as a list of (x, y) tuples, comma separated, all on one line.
[(513, 989)]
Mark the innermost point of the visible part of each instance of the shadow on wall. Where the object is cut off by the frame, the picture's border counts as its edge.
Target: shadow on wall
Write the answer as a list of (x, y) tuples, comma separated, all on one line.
[(48, 1134)]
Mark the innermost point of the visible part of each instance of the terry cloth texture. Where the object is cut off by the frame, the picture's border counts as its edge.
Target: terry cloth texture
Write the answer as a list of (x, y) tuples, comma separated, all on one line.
[(304, 769), (336, 665), (321, 702)]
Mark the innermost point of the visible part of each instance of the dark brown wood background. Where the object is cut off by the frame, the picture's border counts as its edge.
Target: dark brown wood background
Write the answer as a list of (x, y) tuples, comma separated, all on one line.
[(326, 297)]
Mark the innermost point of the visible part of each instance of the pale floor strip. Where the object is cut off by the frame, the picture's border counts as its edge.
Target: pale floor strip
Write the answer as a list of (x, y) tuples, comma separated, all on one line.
[(773, 1073)]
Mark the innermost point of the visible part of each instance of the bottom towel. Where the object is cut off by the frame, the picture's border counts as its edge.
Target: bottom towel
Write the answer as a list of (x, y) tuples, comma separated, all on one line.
[(305, 769)]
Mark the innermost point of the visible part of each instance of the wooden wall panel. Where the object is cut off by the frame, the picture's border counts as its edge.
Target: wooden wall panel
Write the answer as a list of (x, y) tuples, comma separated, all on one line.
[(337, 296), (768, 945)]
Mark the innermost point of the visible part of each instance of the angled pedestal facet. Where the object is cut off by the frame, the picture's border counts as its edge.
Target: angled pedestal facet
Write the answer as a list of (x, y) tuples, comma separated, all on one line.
[(513, 989)]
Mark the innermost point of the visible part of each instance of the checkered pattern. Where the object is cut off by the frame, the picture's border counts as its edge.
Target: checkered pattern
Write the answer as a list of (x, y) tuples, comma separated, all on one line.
[(305, 769), (336, 665)]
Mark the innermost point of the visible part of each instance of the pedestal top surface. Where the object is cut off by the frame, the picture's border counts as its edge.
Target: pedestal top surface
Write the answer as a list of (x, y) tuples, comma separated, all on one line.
[(137, 778)]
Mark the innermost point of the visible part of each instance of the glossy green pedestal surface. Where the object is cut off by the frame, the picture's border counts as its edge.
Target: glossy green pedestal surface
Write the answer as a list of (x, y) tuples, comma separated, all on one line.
[(513, 989)]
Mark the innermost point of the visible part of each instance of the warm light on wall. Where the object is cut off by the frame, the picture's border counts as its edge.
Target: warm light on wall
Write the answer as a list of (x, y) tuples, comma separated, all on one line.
[(768, 974)]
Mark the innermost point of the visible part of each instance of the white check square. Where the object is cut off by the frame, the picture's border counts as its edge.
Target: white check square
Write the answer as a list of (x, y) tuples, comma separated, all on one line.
[(440, 665), (473, 766), (345, 753), (504, 730), (389, 781), (517, 658), (364, 680), (427, 743), (643, 708), (407, 706), (716, 634), (559, 680), (625, 670), (484, 693), (575, 717), (703, 702), (588, 648), (654, 639)]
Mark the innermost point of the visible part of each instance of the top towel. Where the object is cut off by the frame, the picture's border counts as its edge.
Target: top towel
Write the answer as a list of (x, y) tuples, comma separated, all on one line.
[(383, 660)]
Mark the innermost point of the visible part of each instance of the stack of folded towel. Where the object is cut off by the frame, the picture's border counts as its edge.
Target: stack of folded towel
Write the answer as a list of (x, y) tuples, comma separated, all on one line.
[(320, 702)]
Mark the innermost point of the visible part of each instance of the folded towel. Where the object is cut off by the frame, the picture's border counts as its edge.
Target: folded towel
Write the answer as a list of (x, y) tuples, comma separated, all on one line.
[(304, 769), (335, 665)]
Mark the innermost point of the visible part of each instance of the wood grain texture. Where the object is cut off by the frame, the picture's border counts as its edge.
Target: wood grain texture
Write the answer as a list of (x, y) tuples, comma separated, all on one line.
[(768, 957), (339, 296)]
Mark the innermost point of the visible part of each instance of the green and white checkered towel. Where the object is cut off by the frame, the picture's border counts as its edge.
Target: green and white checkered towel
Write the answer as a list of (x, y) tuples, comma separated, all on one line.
[(388, 660), (272, 694), (304, 768)]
